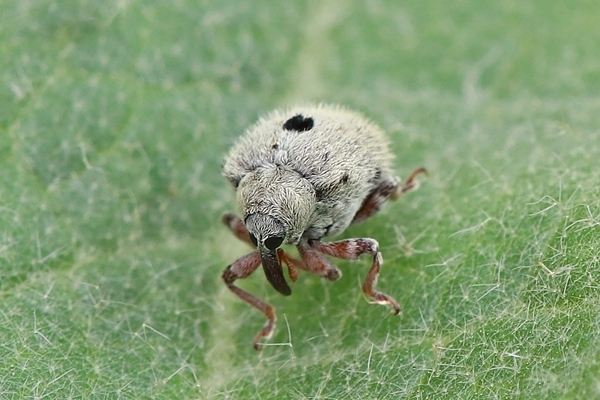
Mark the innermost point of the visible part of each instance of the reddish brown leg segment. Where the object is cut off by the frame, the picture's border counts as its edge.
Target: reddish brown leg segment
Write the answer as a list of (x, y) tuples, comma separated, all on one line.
[(291, 263), (236, 225), (388, 189), (410, 184), (242, 268), (350, 249), (375, 200), (316, 263)]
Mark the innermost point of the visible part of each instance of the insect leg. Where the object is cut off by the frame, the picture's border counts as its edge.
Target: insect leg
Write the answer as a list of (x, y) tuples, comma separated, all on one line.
[(388, 189), (372, 204), (291, 263), (350, 249), (242, 268), (236, 225), (411, 183), (316, 263)]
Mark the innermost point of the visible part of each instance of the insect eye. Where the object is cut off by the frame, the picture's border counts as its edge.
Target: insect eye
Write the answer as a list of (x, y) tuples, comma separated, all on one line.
[(273, 242), (253, 240)]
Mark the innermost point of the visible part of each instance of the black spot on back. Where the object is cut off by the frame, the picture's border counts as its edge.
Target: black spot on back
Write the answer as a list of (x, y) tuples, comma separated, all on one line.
[(299, 124), (275, 146), (345, 179)]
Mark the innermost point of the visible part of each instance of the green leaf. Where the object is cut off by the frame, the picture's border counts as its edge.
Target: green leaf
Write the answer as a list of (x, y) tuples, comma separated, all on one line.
[(115, 116)]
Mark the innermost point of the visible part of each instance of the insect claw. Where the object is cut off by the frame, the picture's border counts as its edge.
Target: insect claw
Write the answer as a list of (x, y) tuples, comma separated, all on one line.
[(267, 330)]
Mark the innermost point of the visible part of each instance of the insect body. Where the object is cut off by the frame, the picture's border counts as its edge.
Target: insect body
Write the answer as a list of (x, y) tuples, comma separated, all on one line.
[(302, 174)]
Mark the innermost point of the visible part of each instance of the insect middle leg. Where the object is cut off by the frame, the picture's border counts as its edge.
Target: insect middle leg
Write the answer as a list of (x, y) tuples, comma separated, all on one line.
[(350, 249), (388, 189), (242, 268)]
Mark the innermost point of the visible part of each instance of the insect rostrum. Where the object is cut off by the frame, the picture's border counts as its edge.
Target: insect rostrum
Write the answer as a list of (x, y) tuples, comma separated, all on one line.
[(302, 174)]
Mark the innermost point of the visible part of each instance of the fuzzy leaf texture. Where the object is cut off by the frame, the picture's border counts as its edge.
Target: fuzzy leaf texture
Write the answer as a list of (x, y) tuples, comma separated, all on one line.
[(115, 116)]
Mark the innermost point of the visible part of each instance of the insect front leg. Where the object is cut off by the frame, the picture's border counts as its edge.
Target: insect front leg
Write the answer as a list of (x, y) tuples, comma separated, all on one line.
[(350, 249), (242, 268), (388, 189), (291, 263), (236, 225), (317, 264)]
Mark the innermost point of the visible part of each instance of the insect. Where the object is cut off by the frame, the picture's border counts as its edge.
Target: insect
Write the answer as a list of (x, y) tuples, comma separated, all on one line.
[(302, 174)]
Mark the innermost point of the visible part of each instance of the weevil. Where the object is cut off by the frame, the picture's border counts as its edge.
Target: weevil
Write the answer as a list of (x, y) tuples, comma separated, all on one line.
[(302, 174)]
